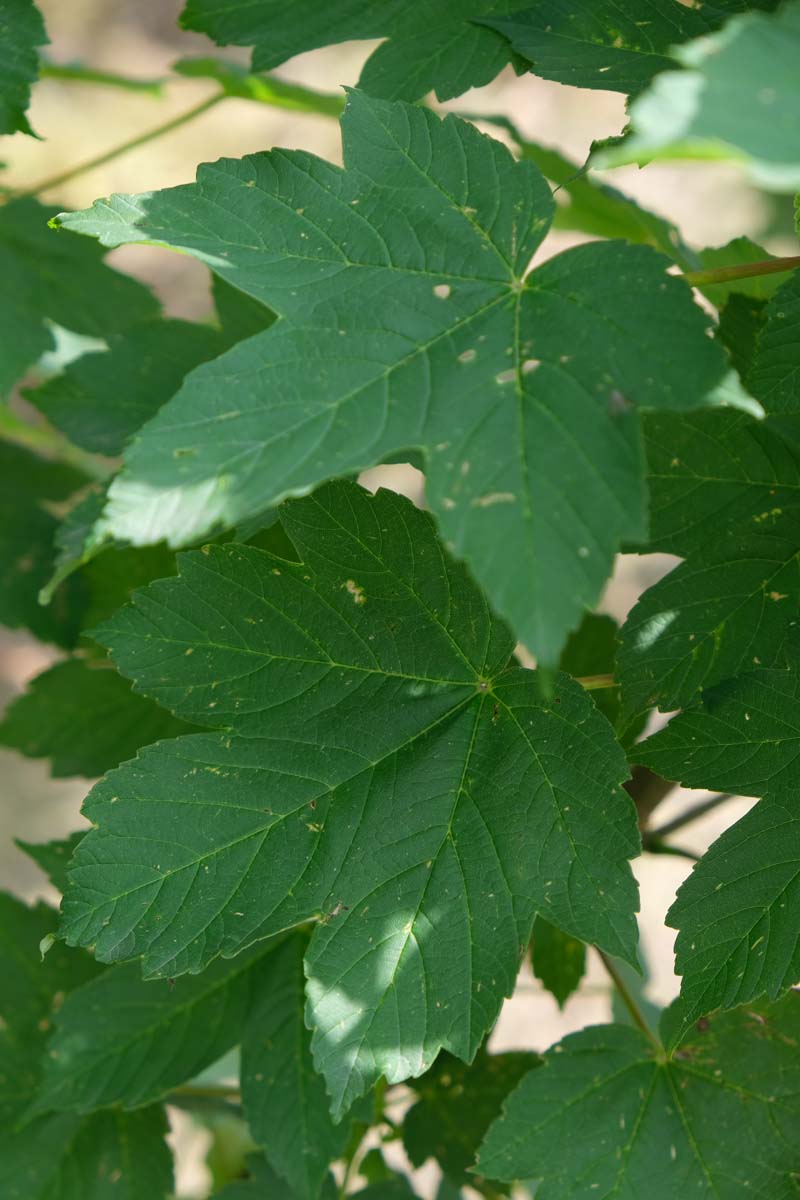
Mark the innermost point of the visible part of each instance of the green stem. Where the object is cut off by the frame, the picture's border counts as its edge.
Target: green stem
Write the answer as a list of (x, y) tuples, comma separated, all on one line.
[(77, 73), (208, 1092), (693, 813), (769, 266), (652, 845), (629, 1002), (53, 181), (593, 683), (49, 443)]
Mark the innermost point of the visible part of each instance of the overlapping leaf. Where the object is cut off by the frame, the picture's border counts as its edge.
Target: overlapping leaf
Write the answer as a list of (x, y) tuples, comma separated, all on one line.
[(122, 1040), (603, 45), (739, 911), (443, 48), (409, 323), (738, 99), (284, 1098), (48, 279), (774, 377), (605, 1116), (726, 495), (384, 768), (22, 32), (29, 489), (456, 1105), (85, 719), (108, 1156), (558, 960)]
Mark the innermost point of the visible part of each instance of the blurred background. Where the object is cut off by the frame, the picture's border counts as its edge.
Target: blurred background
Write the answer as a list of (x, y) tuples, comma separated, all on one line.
[(711, 203)]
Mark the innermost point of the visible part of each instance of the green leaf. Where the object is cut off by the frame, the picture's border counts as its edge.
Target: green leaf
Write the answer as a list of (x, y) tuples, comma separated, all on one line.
[(29, 488), (719, 1119), (738, 912), (602, 45), (402, 283), (284, 1098), (447, 51), (49, 279), (107, 1156), (141, 369), (53, 857), (729, 607), (737, 252), (85, 719), (774, 377), (261, 1182), (457, 1104), (122, 1040), (239, 315), (22, 32), (738, 99), (558, 960), (590, 651), (384, 767), (739, 324), (714, 476)]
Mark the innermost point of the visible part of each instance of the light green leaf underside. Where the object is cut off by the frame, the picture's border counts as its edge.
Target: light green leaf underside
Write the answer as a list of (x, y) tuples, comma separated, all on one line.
[(385, 767), (85, 719), (23, 31), (402, 285), (445, 50), (738, 99), (284, 1098), (122, 1040), (739, 912), (51, 279), (719, 1121)]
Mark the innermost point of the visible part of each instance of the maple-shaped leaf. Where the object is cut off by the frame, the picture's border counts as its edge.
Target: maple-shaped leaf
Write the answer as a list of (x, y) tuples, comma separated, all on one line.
[(23, 31), (441, 47), (738, 912), (381, 766), (737, 99), (608, 1115), (410, 322)]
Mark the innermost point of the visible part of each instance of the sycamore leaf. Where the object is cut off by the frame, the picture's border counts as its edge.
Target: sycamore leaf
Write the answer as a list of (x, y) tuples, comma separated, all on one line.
[(606, 1117), (23, 31), (739, 910), (122, 1040), (445, 50), (603, 45), (141, 369), (383, 767), (48, 279), (109, 1156), (85, 719), (456, 1105), (402, 283), (284, 1098), (731, 606), (738, 99), (774, 376), (29, 488), (558, 960)]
